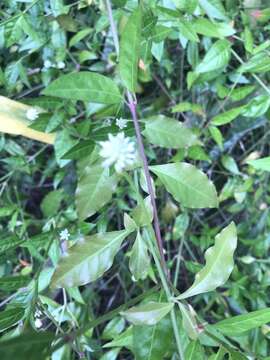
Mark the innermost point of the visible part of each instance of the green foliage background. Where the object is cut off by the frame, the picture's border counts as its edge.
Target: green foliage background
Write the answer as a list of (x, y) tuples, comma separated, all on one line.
[(202, 88)]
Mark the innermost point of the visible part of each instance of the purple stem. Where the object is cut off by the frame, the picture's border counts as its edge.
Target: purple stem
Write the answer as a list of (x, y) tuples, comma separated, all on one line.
[(132, 107)]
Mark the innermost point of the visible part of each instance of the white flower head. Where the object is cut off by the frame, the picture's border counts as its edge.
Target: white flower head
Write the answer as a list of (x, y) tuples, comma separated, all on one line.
[(60, 65), (32, 114), (118, 150), (64, 234), (121, 123), (47, 64), (38, 323), (108, 122)]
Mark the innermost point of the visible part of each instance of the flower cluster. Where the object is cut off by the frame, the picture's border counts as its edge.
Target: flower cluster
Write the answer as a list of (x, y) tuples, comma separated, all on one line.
[(32, 114), (118, 150)]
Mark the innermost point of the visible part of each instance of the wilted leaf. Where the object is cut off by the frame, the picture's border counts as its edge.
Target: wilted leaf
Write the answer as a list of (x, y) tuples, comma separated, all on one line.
[(187, 184), (219, 264)]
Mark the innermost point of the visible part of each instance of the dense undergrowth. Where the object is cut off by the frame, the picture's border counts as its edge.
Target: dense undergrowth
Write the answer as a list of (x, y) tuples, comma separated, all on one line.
[(88, 268)]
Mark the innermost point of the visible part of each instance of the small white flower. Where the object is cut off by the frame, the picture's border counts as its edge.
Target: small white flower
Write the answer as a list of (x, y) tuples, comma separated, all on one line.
[(119, 151), (64, 235), (60, 65), (121, 123), (47, 64), (32, 114), (38, 323)]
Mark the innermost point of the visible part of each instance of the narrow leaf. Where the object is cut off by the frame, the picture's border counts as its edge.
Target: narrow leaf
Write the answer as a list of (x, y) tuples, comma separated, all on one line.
[(219, 263), (227, 116), (188, 185), (147, 314), (85, 86), (88, 260), (213, 29), (139, 259), (130, 50), (10, 317), (187, 30), (239, 324)]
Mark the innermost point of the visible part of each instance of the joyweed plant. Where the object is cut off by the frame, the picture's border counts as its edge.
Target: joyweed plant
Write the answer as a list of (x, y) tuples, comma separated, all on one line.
[(134, 202)]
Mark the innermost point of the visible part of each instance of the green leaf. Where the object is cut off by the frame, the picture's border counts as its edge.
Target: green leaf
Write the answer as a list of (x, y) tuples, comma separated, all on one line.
[(259, 63), (125, 339), (227, 116), (12, 283), (219, 264), (85, 86), (261, 164), (139, 261), (214, 9), (189, 321), (51, 203), (30, 346), (147, 314), (219, 355), (187, 106), (194, 351), (147, 340), (8, 242), (143, 212), (216, 135), (94, 190), (79, 151), (213, 29), (237, 325), (257, 106), (130, 50), (88, 260), (187, 30), (217, 57), (10, 317), (188, 185), (168, 132)]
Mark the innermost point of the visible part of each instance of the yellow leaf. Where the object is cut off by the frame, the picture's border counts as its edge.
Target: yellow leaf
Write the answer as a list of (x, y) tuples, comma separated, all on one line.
[(13, 120)]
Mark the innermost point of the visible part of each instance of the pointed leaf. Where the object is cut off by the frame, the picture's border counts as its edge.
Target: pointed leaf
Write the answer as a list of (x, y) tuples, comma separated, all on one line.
[(187, 30), (85, 86), (217, 57), (194, 351), (189, 321), (237, 325), (10, 317), (88, 260), (211, 29), (218, 266), (139, 259), (94, 190), (147, 314), (168, 133), (227, 116), (187, 184), (130, 50), (214, 9), (261, 164)]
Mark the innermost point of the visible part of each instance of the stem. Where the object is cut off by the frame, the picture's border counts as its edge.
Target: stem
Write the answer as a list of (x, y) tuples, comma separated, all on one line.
[(132, 108), (169, 297), (113, 27)]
